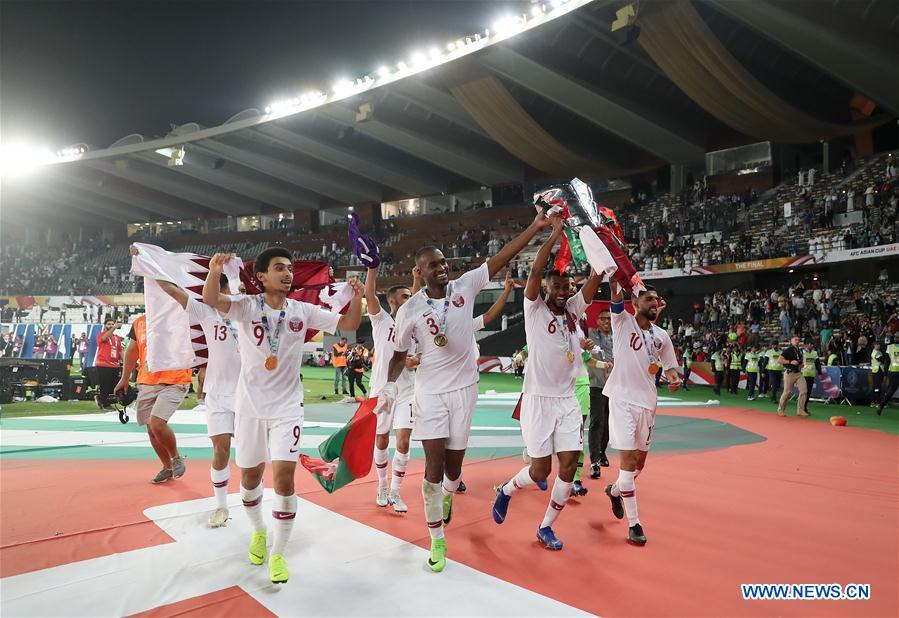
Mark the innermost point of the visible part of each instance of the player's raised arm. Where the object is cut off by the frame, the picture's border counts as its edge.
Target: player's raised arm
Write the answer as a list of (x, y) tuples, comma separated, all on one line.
[(591, 287), (417, 281), (532, 289), (514, 246), (497, 308), (212, 291), (349, 320), (175, 292), (371, 292)]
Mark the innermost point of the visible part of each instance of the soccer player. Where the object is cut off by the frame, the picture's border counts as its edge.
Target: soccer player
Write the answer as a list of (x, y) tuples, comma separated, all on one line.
[(401, 415), (640, 347), (268, 398), (221, 373), (590, 357), (480, 323), (159, 394), (441, 320), (551, 419)]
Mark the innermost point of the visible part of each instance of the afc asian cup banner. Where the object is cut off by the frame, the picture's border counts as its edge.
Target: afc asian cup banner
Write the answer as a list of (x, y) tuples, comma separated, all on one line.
[(844, 255)]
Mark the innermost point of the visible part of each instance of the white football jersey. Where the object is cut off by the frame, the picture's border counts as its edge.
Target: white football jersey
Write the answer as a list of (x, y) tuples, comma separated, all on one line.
[(454, 365), (550, 338), (633, 349), (383, 329), (265, 394), (223, 362)]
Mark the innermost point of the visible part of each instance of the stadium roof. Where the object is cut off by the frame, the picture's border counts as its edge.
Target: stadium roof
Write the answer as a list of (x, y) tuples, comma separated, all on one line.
[(552, 94)]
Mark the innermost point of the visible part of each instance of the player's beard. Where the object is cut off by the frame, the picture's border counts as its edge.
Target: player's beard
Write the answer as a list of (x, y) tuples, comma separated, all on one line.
[(650, 314), (553, 302)]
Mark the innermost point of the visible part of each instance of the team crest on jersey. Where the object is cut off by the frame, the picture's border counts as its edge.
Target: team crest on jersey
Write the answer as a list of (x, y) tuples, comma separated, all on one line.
[(296, 325), (458, 301)]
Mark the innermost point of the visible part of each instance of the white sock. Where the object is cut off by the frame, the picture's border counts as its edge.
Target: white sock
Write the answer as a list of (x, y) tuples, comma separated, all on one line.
[(433, 499), (381, 466), (617, 492), (252, 502), (220, 485), (284, 511), (519, 481), (400, 460), (450, 487), (627, 489), (561, 491)]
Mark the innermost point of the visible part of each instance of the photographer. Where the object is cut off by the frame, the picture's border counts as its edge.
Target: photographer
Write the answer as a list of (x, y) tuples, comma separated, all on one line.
[(107, 367), (356, 369)]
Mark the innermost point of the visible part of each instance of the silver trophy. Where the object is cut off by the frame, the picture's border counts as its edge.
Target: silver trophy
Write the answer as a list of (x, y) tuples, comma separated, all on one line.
[(577, 196)]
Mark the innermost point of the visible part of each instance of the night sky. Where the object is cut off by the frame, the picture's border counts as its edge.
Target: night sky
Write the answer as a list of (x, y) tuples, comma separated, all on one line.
[(96, 71)]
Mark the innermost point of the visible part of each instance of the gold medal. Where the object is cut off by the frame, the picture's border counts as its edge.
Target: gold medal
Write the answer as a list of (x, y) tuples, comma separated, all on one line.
[(570, 356), (653, 369), (440, 340), (271, 363)]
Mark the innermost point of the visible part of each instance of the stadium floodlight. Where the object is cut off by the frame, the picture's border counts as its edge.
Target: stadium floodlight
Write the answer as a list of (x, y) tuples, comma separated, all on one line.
[(434, 53), (460, 43), (418, 59), (451, 46), (505, 25), (175, 155), (537, 10), (383, 72), (401, 65), (342, 87), (15, 160)]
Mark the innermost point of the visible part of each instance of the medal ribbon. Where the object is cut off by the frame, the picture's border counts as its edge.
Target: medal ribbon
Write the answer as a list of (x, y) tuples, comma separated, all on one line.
[(231, 329), (446, 301), (566, 333), (649, 352), (273, 341)]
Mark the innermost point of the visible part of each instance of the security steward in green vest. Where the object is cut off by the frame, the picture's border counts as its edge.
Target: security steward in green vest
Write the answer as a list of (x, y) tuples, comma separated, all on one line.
[(811, 366), (751, 366), (891, 374), (877, 371), (775, 371), (736, 366), (718, 366)]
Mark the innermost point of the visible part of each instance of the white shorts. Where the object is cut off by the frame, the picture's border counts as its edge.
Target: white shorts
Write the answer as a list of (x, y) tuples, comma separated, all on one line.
[(219, 414), (630, 426), (551, 425), (260, 440), (445, 415), (400, 417)]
